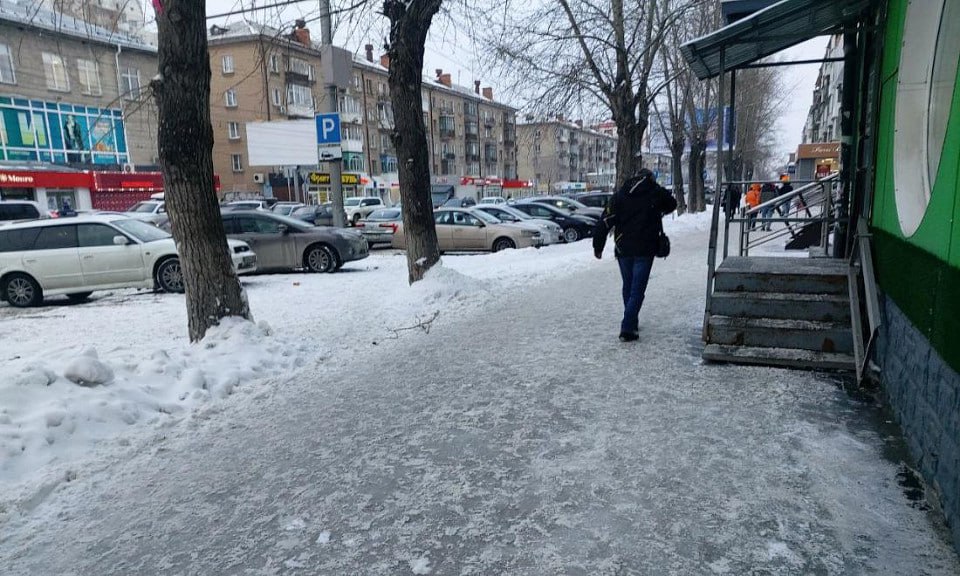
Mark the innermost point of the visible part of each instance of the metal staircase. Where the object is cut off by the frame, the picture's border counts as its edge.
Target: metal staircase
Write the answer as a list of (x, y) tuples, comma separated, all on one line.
[(777, 310)]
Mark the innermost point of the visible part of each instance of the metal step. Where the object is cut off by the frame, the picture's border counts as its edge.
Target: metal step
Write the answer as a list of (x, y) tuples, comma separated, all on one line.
[(781, 333), (798, 275), (782, 305), (782, 357)]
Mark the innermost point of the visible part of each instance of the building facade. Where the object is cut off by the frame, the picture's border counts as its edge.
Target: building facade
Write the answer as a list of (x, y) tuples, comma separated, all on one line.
[(74, 94), (123, 16), (561, 156)]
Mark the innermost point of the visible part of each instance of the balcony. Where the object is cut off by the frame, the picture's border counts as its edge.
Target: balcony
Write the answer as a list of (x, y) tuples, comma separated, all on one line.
[(447, 133), (351, 145), (472, 157), (471, 130), (509, 134), (300, 111), (489, 121)]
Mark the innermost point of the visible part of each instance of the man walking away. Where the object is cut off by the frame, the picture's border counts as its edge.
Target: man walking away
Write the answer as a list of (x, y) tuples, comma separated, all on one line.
[(768, 192), (634, 215), (753, 200)]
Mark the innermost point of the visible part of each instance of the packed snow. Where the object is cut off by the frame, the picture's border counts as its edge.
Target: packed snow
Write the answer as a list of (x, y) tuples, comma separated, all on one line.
[(483, 421), (79, 382)]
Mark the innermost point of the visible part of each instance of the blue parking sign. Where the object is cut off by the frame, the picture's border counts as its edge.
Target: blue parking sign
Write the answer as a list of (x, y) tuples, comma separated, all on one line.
[(328, 128)]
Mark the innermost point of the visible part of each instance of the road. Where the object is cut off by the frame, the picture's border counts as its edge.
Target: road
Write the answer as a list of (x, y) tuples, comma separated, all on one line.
[(520, 439)]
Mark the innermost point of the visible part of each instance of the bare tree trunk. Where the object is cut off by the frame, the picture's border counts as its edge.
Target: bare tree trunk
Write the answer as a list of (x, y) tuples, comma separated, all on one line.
[(676, 168), (409, 22), (629, 134), (185, 142)]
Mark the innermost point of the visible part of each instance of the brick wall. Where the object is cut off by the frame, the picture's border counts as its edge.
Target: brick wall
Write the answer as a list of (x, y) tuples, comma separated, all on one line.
[(924, 393)]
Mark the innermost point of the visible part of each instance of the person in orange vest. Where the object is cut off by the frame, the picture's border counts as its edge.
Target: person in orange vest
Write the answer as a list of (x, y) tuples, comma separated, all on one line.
[(753, 200)]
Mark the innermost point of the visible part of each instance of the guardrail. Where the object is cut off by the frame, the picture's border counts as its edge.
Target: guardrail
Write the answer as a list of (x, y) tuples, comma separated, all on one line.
[(863, 294)]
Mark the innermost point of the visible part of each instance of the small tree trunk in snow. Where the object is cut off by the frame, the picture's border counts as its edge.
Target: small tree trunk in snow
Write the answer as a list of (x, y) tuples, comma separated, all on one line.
[(185, 142), (409, 22), (676, 168)]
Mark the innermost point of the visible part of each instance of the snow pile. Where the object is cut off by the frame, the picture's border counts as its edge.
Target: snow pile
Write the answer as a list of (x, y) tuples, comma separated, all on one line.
[(53, 411)]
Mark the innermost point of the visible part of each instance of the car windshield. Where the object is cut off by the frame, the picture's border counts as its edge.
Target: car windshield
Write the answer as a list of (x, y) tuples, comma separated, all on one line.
[(143, 207), (574, 203), (351, 202), (291, 222), (516, 213), (486, 217), (304, 210), (141, 230), (385, 215)]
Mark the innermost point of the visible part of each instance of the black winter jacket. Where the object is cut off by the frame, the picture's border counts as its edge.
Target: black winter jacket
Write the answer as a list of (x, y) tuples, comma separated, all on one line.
[(634, 215)]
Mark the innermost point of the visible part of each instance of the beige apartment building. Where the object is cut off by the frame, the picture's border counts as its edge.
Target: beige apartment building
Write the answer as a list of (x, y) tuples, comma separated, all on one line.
[(72, 93), (559, 155)]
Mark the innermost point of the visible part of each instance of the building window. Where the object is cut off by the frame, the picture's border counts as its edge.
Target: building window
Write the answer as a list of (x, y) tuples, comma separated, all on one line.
[(277, 99), (56, 72), (130, 80), (227, 63), (369, 86), (89, 77), (7, 75), (233, 130), (236, 161), (301, 67), (275, 63), (298, 95), (230, 98)]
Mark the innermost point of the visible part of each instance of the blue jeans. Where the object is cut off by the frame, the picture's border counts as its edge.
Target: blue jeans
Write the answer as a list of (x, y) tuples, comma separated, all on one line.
[(635, 272), (766, 213)]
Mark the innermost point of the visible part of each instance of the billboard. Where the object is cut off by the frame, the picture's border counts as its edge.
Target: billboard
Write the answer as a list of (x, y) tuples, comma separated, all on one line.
[(60, 133), (658, 137), (282, 143)]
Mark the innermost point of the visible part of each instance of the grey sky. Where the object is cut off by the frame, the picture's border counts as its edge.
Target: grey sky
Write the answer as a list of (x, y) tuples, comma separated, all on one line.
[(454, 53)]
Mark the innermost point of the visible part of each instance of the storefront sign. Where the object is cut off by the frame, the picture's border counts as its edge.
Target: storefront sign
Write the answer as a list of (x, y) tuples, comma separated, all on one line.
[(323, 179), (43, 179), (819, 150)]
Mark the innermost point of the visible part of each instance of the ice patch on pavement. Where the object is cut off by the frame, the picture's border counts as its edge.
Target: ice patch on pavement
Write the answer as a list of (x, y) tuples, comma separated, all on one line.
[(420, 566)]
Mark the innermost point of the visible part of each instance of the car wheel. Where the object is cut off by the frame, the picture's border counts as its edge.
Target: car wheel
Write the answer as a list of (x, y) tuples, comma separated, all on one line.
[(503, 244), (571, 235), (170, 276), (320, 259), (22, 291), (79, 297)]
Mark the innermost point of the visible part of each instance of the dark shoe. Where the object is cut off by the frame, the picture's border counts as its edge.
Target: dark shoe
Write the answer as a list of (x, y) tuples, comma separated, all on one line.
[(629, 336)]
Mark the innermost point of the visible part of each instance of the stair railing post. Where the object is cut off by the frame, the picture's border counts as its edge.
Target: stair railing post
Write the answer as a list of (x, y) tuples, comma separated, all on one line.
[(715, 223)]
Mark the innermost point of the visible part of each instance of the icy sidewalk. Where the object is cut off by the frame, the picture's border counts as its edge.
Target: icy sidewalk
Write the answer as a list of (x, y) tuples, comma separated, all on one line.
[(520, 438)]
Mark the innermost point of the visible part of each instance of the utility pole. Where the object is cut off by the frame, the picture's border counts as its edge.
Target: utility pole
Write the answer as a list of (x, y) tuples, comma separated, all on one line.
[(336, 184)]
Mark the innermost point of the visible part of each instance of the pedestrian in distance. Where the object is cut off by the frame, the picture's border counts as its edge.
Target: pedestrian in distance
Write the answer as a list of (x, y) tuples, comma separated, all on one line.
[(753, 200), (634, 214), (731, 200), (785, 188), (768, 192)]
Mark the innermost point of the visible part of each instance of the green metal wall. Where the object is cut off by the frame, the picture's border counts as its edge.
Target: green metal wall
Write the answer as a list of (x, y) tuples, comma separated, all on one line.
[(920, 273)]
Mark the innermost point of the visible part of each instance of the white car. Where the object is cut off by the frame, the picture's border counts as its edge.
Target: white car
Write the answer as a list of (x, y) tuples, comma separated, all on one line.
[(493, 200), (552, 233), (358, 208), (153, 211), (76, 256)]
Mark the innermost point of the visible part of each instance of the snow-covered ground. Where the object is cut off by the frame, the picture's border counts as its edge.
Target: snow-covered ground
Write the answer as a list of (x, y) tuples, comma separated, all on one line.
[(51, 428), (517, 437)]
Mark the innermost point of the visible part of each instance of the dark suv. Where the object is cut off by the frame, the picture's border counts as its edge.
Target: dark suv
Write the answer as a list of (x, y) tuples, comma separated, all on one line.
[(18, 210)]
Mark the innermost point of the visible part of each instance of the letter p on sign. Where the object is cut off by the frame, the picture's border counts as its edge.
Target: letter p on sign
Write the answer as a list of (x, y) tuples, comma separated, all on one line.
[(328, 128)]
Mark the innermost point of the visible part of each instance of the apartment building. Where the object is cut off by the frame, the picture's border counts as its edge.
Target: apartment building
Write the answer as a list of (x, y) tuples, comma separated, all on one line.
[(123, 16), (560, 155), (72, 93), (819, 153)]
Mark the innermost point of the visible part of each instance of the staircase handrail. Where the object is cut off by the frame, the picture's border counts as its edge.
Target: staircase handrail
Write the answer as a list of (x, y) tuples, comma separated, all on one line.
[(861, 275)]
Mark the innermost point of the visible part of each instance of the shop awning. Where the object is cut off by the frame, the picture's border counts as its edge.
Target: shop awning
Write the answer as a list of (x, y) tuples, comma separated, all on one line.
[(769, 31)]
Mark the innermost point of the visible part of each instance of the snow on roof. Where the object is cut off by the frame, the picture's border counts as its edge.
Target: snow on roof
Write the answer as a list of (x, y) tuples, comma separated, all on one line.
[(29, 14), (241, 30)]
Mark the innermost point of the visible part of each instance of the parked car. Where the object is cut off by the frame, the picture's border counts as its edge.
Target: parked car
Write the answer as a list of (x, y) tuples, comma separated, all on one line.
[(318, 215), (263, 205), (568, 204), (284, 244), (551, 232), (574, 225), (465, 202), (378, 227), (358, 208), (469, 230), (286, 208), (11, 210), (153, 211), (493, 200), (77, 256), (594, 199)]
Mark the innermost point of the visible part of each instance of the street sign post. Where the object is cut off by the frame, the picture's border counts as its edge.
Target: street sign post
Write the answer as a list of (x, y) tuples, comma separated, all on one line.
[(328, 137)]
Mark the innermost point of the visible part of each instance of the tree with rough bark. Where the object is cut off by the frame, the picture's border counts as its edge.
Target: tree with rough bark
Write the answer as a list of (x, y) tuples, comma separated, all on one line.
[(410, 22), (185, 144), (589, 53)]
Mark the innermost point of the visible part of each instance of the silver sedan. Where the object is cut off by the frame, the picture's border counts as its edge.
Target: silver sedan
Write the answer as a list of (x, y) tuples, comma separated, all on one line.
[(283, 244), (551, 232)]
